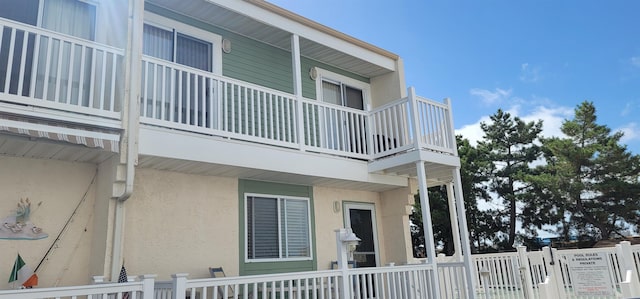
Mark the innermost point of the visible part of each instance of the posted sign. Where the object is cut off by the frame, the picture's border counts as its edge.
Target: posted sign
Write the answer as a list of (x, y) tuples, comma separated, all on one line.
[(590, 274)]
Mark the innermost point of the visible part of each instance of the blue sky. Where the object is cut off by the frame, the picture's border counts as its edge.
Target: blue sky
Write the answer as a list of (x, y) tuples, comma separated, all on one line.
[(535, 59)]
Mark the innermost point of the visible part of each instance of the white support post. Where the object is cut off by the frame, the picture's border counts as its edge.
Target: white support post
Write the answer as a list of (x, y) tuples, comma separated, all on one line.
[(427, 225), (179, 285), (297, 87), (455, 229), (525, 272), (148, 285), (464, 234)]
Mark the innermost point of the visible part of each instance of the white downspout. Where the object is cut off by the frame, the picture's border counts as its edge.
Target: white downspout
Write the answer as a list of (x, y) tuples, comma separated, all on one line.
[(130, 123)]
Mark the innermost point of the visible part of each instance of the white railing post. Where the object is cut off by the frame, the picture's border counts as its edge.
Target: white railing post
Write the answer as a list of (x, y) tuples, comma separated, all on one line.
[(343, 263), (148, 285), (413, 104), (525, 272), (625, 256), (547, 289), (555, 284), (179, 285), (451, 129)]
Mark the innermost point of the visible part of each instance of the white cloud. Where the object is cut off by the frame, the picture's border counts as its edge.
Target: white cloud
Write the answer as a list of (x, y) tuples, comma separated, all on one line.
[(635, 61), (552, 121), (473, 132), (491, 97), (631, 132), (529, 74)]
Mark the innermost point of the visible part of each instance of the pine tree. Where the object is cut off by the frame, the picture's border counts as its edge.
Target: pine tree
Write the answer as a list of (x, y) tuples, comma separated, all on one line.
[(590, 180), (508, 149), (479, 222)]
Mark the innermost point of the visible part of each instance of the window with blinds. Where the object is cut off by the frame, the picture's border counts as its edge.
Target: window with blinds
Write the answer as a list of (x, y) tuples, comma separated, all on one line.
[(277, 227), (341, 94)]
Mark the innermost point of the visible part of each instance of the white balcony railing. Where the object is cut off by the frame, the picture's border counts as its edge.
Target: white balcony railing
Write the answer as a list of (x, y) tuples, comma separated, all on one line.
[(180, 97), (43, 68)]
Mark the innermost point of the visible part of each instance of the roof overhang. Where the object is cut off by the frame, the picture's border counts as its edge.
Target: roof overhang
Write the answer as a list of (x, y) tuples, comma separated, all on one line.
[(273, 25)]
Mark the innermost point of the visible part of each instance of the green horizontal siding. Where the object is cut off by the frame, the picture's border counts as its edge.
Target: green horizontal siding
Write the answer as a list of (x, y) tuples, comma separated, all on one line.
[(249, 60)]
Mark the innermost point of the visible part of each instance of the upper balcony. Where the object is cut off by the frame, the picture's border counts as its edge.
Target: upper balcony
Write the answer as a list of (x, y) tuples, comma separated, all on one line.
[(193, 101), (51, 77)]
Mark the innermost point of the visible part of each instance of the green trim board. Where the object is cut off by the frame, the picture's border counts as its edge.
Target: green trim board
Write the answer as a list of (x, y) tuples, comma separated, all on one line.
[(261, 187)]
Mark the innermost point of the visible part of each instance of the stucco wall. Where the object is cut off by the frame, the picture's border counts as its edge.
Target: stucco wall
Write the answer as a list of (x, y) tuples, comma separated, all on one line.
[(60, 186), (174, 222), (181, 223), (396, 207), (327, 220)]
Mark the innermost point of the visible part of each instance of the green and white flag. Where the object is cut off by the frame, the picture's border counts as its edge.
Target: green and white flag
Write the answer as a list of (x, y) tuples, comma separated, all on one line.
[(23, 274)]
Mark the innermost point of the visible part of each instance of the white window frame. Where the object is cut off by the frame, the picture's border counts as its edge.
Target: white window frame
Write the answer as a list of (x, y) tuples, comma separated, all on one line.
[(170, 24), (325, 75), (246, 230)]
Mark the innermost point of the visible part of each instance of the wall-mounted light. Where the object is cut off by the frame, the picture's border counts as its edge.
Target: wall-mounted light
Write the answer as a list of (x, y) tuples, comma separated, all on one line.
[(347, 237), (313, 73), (226, 45)]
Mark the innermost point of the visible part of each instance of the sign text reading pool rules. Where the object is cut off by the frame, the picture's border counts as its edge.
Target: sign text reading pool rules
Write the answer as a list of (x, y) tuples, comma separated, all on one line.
[(590, 274)]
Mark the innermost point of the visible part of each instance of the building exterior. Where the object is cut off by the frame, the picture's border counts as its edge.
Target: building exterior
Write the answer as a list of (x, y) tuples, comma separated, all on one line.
[(173, 136)]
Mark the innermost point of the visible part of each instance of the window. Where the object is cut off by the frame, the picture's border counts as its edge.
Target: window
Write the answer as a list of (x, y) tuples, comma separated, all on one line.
[(277, 228), (73, 17), (180, 43), (341, 90), (341, 94)]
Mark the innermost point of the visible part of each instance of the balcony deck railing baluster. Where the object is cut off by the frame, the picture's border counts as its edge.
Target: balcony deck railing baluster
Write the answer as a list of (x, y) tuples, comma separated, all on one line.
[(181, 97), (42, 68)]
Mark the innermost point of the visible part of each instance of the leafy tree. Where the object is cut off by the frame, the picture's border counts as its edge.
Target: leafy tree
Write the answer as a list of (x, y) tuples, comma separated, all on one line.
[(590, 181), (508, 149)]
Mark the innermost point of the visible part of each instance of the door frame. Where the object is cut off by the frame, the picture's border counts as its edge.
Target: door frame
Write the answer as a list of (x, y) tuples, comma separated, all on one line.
[(347, 206), (339, 125)]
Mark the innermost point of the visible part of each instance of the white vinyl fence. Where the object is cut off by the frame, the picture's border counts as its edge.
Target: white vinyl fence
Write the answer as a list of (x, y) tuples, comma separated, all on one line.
[(603, 273), (606, 273)]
